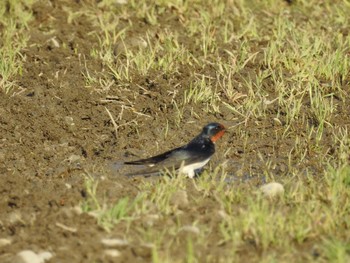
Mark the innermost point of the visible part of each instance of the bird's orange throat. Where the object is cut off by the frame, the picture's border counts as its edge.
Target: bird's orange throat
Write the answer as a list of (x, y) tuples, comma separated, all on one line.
[(217, 136)]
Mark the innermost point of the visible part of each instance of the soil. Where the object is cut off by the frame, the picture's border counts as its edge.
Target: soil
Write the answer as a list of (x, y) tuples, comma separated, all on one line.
[(55, 131)]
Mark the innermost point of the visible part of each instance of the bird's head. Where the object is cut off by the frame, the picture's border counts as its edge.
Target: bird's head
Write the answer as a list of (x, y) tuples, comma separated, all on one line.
[(213, 131)]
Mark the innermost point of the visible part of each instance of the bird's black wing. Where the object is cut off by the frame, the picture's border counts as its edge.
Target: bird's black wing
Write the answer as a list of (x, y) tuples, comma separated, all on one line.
[(155, 159), (173, 161)]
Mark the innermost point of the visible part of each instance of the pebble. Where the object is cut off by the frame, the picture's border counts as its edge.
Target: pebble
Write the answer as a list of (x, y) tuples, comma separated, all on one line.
[(272, 189), (70, 123), (222, 214), (77, 209), (112, 253), (94, 214), (5, 242), (69, 120), (190, 229), (46, 255), (71, 212), (74, 158), (29, 256), (54, 42), (15, 217), (114, 242)]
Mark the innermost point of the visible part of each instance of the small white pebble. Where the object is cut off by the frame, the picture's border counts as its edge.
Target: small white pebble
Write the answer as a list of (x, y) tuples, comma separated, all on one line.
[(112, 253), (222, 214), (15, 217), (27, 256), (69, 120), (54, 42), (192, 229), (93, 214), (272, 189), (74, 158), (46, 255), (5, 242), (114, 242), (121, 2), (77, 209)]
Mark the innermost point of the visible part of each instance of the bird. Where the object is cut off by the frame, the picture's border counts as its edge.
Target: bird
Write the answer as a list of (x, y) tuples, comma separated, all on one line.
[(187, 159)]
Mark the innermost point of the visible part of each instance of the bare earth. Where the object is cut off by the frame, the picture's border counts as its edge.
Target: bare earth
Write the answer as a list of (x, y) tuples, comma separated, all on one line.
[(56, 131)]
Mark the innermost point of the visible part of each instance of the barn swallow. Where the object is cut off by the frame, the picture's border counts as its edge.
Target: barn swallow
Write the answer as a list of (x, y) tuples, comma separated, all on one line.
[(188, 158)]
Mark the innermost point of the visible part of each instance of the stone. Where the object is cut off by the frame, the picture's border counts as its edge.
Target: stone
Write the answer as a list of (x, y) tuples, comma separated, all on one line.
[(71, 211), (112, 253), (54, 42), (15, 217), (222, 214), (69, 120), (70, 123), (46, 255), (272, 189), (190, 229), (5, 242), (74, 158), (27, 256), (114, 242)]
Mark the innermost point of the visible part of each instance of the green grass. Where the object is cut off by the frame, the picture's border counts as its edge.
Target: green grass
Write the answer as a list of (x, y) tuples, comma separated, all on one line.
[(14, 19), (312, 213), (107, 215)]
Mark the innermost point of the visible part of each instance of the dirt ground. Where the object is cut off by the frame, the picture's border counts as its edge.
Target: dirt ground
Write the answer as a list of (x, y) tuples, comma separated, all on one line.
[(55, 131)]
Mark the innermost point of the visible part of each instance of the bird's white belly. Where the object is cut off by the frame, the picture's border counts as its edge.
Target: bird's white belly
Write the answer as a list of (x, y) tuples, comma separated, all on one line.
[(190, 168)]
